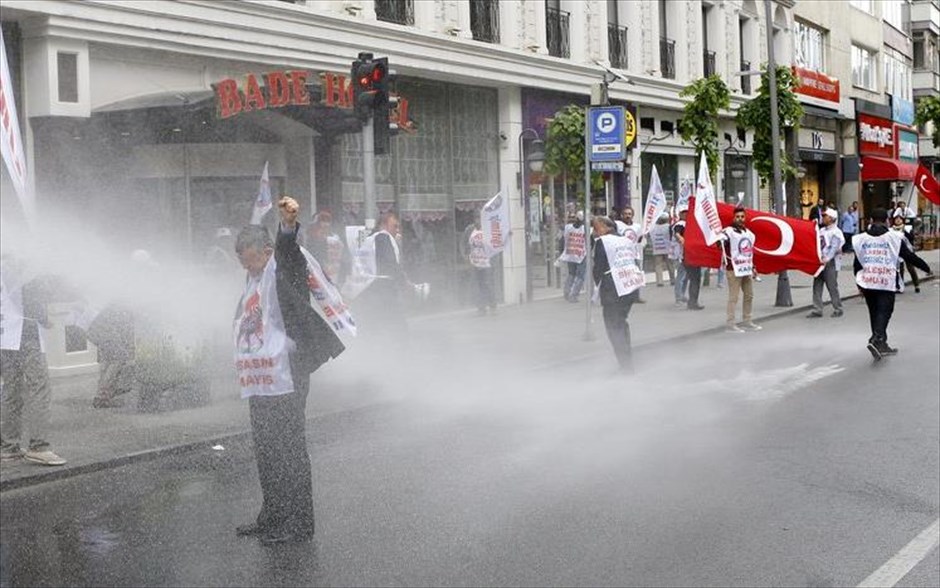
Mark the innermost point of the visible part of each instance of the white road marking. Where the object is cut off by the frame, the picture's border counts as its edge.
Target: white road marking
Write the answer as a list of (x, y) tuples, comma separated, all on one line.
[(904, 561)]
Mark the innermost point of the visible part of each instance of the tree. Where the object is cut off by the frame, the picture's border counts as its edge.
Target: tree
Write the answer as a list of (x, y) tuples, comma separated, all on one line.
[(564, 146), (928, 111), (699, 124), (755, 116)]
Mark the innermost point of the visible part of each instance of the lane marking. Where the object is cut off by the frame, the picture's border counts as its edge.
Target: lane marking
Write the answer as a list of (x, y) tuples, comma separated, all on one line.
[(904, 561)]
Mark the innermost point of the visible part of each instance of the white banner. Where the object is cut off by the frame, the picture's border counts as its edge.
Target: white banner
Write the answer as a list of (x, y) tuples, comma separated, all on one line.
[(479, 252), (575, 249), (494, 220), (11, 143), (263, 203), (262, 363), (879, 259), (655, 203), (621, 255), (659, 238), (706, 208), (362, 249), (11, 310), (327, 299), (741, 246)]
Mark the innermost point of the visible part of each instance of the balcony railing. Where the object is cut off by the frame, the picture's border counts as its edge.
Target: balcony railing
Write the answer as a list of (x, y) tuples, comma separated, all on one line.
[(484, 20), (556, 25), (709, 63), (667, 57), (745, 80), (396, 11), (617, 45)]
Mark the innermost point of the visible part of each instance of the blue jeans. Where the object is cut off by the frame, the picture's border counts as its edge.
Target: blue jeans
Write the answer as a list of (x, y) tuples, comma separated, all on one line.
[(682, 282)]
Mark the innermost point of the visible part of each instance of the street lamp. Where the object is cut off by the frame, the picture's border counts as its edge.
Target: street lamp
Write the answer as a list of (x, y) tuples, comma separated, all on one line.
[(534, 162)]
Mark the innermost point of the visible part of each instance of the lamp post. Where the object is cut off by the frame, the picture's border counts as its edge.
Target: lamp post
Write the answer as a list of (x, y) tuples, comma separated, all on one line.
[(534, 161)]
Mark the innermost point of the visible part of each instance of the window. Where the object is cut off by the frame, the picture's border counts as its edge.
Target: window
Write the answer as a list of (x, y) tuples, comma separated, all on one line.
[(897, 75), (556, 25), (484, 20), (863, 68), (67, 69), (397, 11), (809, 47), (892, 11), (925, 54), (863, 5)]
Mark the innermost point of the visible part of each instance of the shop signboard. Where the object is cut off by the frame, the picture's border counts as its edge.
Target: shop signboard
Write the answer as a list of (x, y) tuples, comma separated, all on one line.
[(902, 111), (816, 88), (875, 136), (278, 89), (907, 144)]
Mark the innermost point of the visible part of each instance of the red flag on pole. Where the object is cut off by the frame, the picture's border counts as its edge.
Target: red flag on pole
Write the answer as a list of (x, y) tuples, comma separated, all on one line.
[(781, 243), (927, 184)]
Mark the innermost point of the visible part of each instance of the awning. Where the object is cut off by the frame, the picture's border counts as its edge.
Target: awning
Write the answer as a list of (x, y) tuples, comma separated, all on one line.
[(879, 168)]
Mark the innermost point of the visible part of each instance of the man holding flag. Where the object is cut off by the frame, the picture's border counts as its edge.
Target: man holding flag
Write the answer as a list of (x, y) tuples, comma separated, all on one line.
[(738, 255)]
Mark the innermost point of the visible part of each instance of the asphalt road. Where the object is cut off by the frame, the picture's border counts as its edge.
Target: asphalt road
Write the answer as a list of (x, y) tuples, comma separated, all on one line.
[(782, 457)]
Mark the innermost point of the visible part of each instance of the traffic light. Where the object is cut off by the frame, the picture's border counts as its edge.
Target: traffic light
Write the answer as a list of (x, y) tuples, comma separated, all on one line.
[(367, 76), (385, 102)]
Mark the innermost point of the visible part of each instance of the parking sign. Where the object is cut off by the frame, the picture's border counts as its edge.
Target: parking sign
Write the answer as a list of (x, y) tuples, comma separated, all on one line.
[(606, 133)]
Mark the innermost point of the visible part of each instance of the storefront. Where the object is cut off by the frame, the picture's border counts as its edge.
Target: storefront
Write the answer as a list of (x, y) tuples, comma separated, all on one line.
[(818, 140), (884, 176)]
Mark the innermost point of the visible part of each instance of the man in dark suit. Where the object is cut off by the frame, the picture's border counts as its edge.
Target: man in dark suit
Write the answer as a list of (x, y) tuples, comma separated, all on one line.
[(278, 421), (616, 308)]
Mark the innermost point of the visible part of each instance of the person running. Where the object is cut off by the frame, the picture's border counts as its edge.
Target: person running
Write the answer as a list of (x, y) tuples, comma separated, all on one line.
[(877, 251), (831, 242)]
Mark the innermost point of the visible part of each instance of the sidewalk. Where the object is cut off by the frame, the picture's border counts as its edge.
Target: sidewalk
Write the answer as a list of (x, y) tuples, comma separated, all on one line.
[(532, 337)]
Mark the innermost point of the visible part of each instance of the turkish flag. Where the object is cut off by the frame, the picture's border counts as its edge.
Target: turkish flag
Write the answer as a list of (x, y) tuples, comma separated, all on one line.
[(927, 184), (781, 243)]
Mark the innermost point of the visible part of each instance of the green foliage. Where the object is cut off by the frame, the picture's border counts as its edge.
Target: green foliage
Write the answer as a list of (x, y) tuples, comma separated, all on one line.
[(699, 124), (755, 115), (928, 111), (564, 146)]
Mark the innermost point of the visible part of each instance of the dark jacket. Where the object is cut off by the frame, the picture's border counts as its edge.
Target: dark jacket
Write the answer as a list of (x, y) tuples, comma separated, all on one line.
[(316, 341), (112, 332), (876, 230)]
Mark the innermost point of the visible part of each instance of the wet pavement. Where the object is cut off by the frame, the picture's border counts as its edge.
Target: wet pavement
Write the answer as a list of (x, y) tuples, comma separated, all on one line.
[(781, 457)]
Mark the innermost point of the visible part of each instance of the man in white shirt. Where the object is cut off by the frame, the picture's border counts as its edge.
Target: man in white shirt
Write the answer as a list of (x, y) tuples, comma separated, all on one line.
[(831, 241), (737, 243)]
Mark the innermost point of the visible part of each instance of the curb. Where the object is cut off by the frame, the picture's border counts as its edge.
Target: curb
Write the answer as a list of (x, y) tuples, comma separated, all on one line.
[(55, 474)]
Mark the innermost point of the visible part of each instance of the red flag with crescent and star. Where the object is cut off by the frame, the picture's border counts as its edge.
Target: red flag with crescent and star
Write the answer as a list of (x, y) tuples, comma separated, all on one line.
[(927, 184), (781, 243)]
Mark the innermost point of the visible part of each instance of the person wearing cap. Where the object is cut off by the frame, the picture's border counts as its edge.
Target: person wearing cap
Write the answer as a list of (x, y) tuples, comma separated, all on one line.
[(877, 251), (831, 242)]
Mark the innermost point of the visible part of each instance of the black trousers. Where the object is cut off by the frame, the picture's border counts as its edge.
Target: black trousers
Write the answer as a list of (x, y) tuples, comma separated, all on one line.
[(618, 329), (486, 297), (279, 434), (880, 308), (694, 276)]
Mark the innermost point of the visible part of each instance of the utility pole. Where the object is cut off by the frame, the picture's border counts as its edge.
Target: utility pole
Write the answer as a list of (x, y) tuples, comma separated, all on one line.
[(783, 280), (368, 172)]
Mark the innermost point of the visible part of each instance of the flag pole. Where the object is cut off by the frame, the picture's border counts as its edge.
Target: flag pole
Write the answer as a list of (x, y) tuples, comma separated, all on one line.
[(588, 268)]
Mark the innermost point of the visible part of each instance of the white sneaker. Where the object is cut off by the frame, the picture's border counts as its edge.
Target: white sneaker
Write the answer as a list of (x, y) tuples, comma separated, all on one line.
[(751, 326), (44, 457), (733, 329)]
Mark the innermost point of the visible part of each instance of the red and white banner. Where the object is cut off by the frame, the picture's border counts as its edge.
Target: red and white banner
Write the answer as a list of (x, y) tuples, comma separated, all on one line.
[(706, 213), (11, 143), (655, 203), (927, 184), (494, 220), (621, 255), (780, 243)]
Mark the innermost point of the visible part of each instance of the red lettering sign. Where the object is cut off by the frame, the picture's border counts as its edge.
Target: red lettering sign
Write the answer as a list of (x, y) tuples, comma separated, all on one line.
[(228, 98), (254, 99), (278, 89), (298, 82), (814, 84), (875, 136)]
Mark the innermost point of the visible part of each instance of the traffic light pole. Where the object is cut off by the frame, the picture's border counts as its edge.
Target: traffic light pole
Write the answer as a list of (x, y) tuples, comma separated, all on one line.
[(368, 172)]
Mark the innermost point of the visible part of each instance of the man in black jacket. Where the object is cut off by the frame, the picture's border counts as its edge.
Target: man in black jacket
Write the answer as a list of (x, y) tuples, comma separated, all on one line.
[(616, 308), (278, 421), (381, 301), (876, 264)]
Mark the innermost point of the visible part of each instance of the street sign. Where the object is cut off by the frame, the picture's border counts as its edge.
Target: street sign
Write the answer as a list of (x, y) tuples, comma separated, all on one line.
[(605, 134), (607, 166)]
